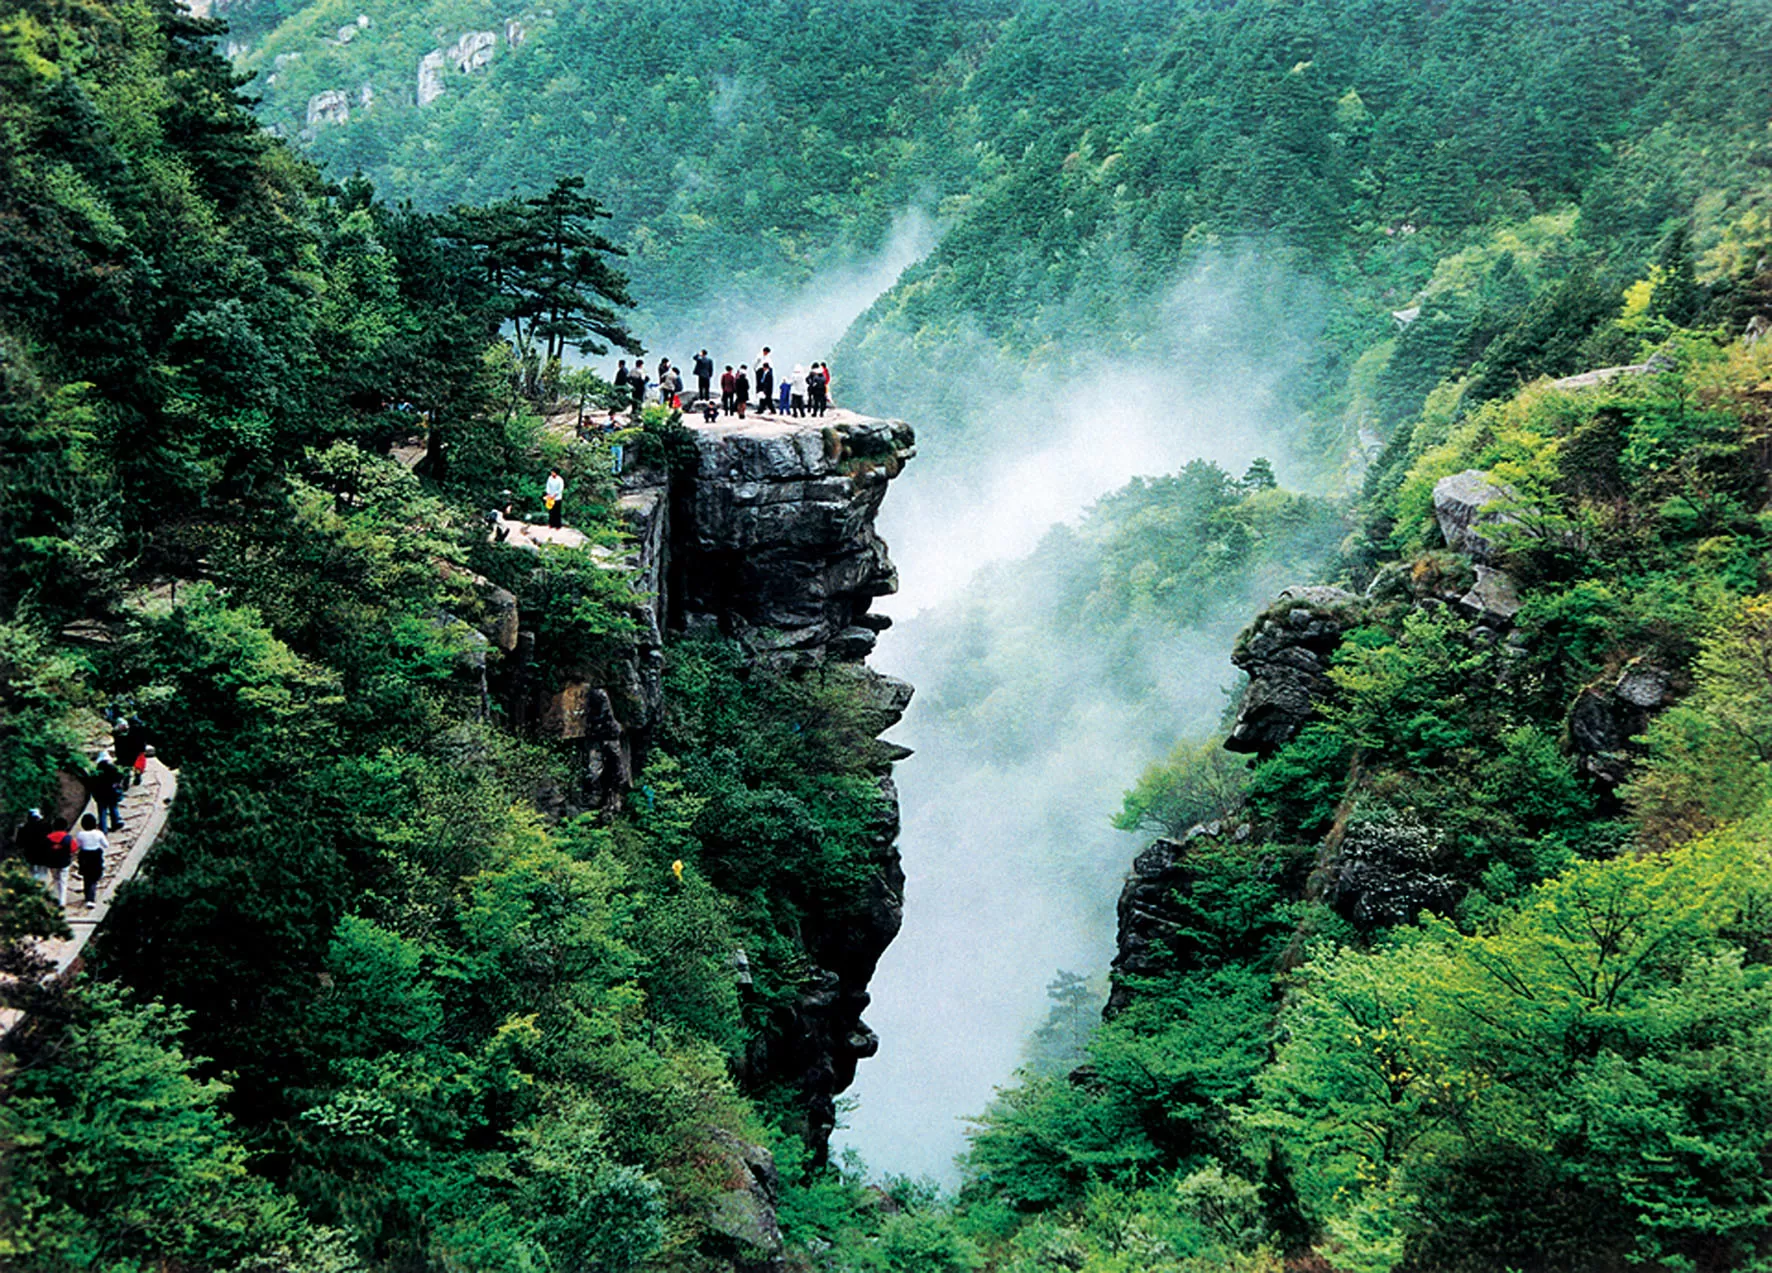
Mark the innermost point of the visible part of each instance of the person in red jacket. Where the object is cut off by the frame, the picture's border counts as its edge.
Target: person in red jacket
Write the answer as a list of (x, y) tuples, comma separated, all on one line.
[(728, 387)]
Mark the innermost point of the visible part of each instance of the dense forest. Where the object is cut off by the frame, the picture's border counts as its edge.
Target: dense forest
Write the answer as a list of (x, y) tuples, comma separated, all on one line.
[(1464, 969), (369, 1007)]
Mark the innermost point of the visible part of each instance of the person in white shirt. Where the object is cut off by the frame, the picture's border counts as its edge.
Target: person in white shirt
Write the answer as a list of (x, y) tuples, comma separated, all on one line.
[(92, 847), (556, 495)]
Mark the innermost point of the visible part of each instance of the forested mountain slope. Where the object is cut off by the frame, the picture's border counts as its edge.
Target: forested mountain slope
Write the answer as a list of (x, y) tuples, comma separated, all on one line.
[(1497, 170), (1471, 973), (409, 981)]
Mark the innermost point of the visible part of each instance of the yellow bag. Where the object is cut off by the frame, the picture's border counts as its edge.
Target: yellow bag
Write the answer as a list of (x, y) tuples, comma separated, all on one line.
[(547, 502)]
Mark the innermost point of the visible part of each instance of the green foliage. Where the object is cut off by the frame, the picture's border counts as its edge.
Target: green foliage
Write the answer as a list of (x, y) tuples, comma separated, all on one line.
[(1709, 754), (118, 1153), (40, 729), (1196, 783), (1412, 1078)]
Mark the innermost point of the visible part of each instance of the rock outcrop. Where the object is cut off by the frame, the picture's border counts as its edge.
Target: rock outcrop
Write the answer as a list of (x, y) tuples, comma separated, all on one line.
[(1460, 502), (1387, 868), (473, 51), (767, 538), (430, 77), (1155, 936), (1148, 925), (1286, 654), (742, 1212), (330, 107), (1606, 717), (782, 523)]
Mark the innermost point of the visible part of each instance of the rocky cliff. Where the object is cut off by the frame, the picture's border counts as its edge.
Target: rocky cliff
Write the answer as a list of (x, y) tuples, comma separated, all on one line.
[(768, 538)]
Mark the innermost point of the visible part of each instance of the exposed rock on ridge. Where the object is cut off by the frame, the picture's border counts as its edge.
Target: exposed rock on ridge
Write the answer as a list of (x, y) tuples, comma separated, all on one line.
[(1286, 653), (769, 539)]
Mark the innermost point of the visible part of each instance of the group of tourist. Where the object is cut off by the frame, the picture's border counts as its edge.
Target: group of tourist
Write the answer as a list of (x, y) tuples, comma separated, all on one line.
[(51, 846), (804, 391)]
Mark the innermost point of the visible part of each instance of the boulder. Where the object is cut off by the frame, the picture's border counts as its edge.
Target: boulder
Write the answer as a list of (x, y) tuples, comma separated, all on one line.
[(330, 107), (743, 1211), (1493, 600), (1286, 654), (499, 619), (1605, 719), (1459, 504)]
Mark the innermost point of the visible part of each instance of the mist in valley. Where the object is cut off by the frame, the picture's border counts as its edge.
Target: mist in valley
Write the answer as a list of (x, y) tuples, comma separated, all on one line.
[(1025, 736)]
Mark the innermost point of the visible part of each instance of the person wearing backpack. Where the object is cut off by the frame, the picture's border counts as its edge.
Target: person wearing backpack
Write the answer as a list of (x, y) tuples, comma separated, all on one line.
[(741, 391), (107, 785), (60, 854), (92, 847)]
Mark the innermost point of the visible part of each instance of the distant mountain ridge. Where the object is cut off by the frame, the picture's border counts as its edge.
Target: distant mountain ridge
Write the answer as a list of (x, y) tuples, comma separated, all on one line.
[(1474, 166)]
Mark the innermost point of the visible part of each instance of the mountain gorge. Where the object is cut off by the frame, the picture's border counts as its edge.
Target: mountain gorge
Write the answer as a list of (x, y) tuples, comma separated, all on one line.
[(1337, 529)]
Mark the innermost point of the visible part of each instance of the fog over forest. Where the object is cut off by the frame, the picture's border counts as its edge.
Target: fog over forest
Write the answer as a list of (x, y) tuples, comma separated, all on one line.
[(1012, 867), (504, 874)]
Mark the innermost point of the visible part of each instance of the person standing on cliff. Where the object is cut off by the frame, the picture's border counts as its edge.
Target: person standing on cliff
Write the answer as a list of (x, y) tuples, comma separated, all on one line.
[(741, 390), (637, 384), (554, 496), (728, 384), (621, 374), (765, 388), (815, 383), (704, 374), (797, 390)]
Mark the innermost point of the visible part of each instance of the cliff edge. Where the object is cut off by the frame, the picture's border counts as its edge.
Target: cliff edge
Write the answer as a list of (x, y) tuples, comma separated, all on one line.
[(764, 535)]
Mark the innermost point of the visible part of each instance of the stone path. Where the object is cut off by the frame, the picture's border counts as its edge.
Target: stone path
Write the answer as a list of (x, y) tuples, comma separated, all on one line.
[(145, 812)]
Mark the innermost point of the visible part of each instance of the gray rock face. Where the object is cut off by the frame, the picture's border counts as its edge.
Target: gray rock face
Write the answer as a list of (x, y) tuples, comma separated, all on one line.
[(330, 107), (1605, 718), (818, 1040), (430, 77), (1494, 599), (782, 520), (1146, 925), (1459, 502), (1286, 653), (1152, 936), (743, 1212), (473, 51), (1387, 871), (770, 540)]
